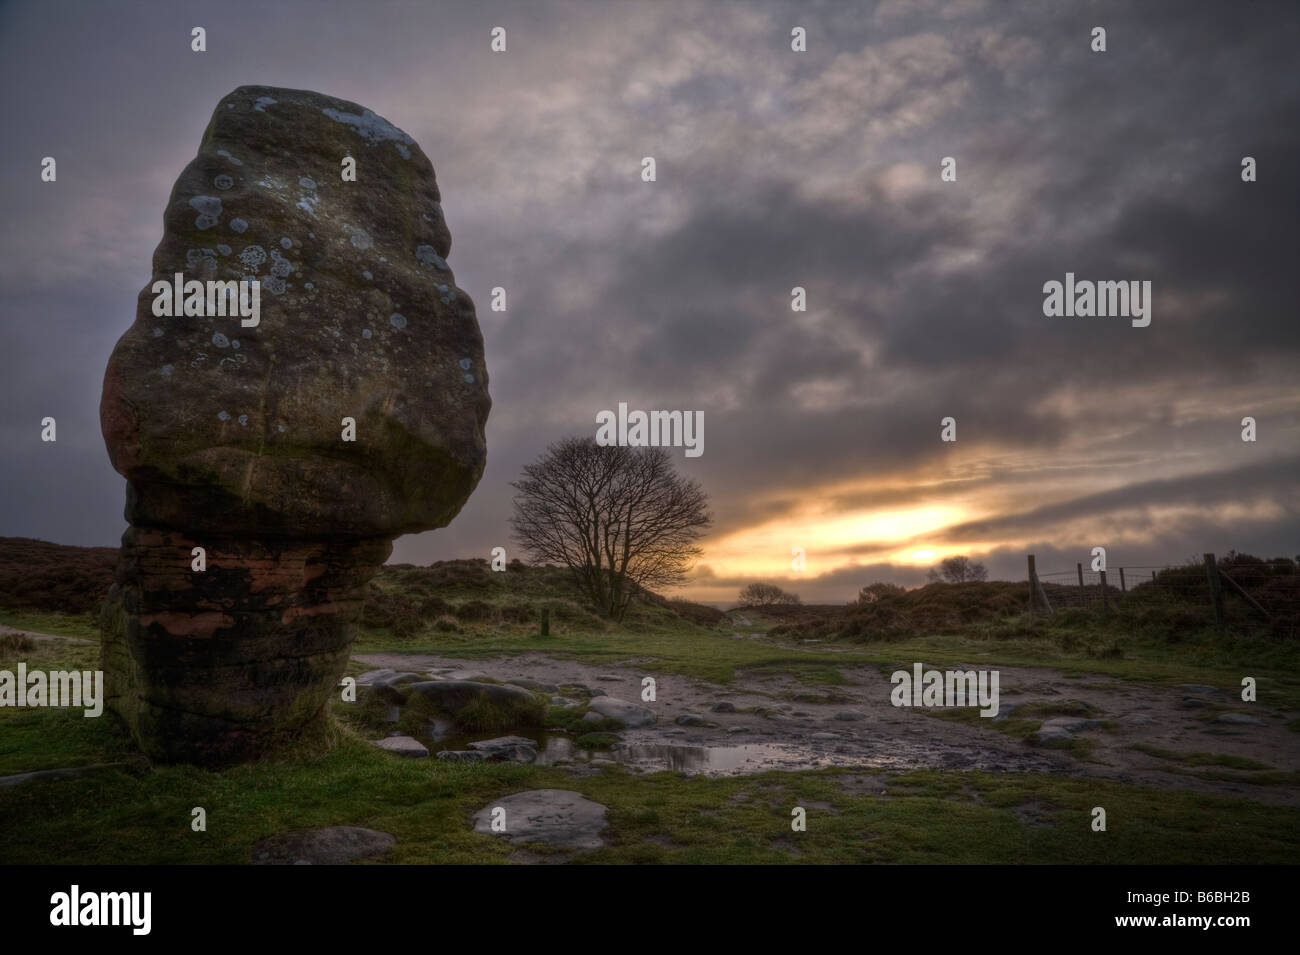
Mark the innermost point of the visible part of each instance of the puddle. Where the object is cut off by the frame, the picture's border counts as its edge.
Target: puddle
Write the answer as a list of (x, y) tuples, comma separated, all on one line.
[(719, 760), (554, 749)]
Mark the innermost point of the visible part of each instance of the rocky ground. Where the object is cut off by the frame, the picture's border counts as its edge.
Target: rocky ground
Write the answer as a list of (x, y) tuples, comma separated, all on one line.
[(767, 721)]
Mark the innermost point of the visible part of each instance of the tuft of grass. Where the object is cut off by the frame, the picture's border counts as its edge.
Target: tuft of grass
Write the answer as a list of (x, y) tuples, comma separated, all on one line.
[(571, 721), (1201, 759), (486, 716), (16, 643), (83, 625)]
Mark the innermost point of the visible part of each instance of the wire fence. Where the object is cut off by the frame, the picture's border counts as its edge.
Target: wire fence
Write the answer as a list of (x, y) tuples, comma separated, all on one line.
[(1236, 590)]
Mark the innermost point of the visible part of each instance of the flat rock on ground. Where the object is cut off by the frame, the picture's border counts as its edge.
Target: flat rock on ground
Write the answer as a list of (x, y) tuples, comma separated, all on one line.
[(629, 714), (403, 746), (557, 817), (512, 749)]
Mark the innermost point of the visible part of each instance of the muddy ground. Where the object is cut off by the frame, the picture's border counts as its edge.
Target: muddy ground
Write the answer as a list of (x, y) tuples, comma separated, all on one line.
[(792, 733)]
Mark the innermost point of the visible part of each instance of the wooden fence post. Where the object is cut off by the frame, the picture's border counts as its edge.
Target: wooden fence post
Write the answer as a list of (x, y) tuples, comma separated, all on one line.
[(1105, 604), (1216, 588), (1036, 591), (546, 621), (1122, 588), (1080, 566)]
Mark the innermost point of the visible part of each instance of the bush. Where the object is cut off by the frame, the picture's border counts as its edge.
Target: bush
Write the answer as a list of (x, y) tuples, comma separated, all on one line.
[(699, 614), (763, 595), (873, 592), (474, 610), (38, 575), (433, 607), (518, 613)]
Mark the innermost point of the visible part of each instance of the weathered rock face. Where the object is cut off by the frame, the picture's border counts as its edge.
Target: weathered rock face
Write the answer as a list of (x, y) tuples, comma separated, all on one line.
[(232, 438)]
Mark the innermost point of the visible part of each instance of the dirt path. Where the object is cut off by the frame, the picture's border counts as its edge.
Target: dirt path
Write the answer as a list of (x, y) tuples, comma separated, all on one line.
[(6, 631), (798, 734)]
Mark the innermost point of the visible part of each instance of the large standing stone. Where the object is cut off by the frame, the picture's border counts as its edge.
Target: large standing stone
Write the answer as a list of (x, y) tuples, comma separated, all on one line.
[(231, 437)]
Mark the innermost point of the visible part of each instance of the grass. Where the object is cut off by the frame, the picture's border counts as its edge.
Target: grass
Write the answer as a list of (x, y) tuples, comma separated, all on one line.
[(118, 816), (1028, 719), (81, 625), (1201, 759), (140, 815)]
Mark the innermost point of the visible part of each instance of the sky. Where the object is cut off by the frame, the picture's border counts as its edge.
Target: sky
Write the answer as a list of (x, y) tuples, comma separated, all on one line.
[(774, 169)]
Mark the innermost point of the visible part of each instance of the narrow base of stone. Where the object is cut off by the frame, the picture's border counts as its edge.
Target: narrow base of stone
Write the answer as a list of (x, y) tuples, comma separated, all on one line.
[(227, 664)]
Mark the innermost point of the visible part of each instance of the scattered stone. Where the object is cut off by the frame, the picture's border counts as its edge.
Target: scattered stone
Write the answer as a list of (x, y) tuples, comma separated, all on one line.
[(469, 676), (849, 716), (394, 715), (590, 717), (824, 736), (403, 678), (403, 746), (370, 676), (535, 685), (800, 713), (723, 707), (737, 730), (602, 762), (690, 719), (1239, 719), (779, 718), (1193, 703), (629, 714), (609, 677), (19, 778), (1071, 724), (563, 701), (1200, 688), (335, 845), (556, 817), (507, 749), (1053, 734), (1141, 719), (452, 696), (1005, 710), (596, 691), (461, 756)]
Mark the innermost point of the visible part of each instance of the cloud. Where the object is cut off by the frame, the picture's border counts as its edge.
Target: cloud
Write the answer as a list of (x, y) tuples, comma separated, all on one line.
[(776, 169)]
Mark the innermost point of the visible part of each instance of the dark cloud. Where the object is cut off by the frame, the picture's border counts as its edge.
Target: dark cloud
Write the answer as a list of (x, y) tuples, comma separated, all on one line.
[(775, 169)]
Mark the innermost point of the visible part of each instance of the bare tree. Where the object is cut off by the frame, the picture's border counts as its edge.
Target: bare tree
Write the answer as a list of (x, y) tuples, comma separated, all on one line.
[(620, 518), (761, 595), (957, 570)]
